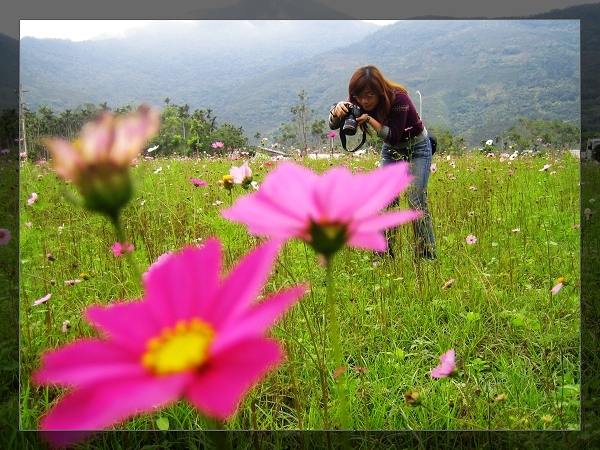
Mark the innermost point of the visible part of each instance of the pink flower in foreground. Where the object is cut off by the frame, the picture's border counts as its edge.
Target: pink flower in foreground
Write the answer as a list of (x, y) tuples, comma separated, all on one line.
[(31, 200), (327, 211), (332, 135), (5, 236), (471, 239), (446, 367), (44, 299), (196, 182), (119, 249), (99, 161), (197, 336)]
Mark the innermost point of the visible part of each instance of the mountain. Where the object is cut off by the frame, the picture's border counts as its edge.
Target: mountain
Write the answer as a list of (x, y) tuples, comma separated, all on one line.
[(9, 72), (475, 77)]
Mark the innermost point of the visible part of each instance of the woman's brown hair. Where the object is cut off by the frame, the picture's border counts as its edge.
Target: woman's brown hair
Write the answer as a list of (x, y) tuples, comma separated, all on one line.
[(371, 78)]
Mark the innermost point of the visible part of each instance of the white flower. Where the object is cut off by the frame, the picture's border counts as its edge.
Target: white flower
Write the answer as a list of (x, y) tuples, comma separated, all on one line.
[(489, 142)]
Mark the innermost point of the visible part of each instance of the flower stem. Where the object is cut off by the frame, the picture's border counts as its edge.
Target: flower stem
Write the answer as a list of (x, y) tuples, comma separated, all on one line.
[(121, 238), (335, 342)]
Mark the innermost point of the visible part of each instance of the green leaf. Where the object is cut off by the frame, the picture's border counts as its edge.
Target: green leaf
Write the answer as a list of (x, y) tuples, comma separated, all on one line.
[(162, 423)]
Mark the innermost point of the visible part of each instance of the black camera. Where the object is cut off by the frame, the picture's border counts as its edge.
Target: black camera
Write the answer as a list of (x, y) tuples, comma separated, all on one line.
[(349, 126)]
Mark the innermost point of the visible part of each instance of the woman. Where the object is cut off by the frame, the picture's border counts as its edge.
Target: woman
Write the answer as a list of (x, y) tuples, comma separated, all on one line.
[(389, 111)]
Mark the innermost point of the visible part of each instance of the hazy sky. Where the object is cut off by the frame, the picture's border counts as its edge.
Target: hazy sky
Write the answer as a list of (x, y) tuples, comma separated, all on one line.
[(81, 30)]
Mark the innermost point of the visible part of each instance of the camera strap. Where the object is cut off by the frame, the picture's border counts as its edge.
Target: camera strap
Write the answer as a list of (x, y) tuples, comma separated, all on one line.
[(343, 139)]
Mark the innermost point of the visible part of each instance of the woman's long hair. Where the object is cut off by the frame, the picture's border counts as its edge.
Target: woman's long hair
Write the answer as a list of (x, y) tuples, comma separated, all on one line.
[(371, 78)]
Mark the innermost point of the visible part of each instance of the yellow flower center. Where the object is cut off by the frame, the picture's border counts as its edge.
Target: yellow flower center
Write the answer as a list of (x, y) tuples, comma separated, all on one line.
[(561, 280), (184, 347)]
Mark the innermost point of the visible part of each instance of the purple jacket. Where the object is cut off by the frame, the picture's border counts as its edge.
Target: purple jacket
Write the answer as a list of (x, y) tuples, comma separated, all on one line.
[(403, 122)]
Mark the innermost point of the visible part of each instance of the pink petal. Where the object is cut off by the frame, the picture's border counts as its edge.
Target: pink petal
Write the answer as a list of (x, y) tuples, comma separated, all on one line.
[(87, 361), (108, 403), (243, 284), (185, 284), (255, 322), (218, 389), (556, 288)]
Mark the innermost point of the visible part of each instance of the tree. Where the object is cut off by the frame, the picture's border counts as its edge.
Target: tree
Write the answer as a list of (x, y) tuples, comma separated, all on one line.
[(300, 116)]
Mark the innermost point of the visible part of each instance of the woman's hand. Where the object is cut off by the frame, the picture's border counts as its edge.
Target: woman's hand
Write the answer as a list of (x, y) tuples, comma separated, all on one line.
[(340, 110)]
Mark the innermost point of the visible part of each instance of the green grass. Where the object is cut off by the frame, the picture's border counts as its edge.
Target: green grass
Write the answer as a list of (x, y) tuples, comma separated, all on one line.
[(512, 337)]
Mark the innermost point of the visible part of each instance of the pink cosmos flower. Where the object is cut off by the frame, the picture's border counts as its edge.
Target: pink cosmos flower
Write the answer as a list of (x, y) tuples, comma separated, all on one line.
[(337, 372), (332, 135), (241, 174), (99, 161), (197, 336), (471, 239), (433, 167), (327, 211), (120, 250), (560, 283), (44, 299), (196, 182), (5, 236), (546, 167), (72, 282), (446, 367), (65, 326), (31, 200), (217, 144), (4, 151), (28, 224)]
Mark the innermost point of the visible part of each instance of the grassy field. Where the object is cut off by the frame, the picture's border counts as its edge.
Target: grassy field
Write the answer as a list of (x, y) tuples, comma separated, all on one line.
[(517, 345)]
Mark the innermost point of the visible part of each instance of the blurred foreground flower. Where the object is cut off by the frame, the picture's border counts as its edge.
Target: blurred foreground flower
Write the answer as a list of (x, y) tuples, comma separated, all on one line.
[(5, 236), (99, 161), (446, 367), (326, 211), (197, 335)]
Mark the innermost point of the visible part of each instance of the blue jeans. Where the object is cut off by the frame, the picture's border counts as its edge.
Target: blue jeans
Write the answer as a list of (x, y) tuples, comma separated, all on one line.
[(419, 158)]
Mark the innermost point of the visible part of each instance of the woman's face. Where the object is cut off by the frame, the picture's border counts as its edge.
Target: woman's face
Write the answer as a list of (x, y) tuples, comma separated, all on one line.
[(367, 99)]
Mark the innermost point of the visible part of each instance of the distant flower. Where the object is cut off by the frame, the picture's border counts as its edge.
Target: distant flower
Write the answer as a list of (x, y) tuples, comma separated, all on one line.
[(196, 182), (158, 170), (473, 188), (119, 249), (489, 142), (99, 161), (471, 239), (151, 149), (72, 282), (332, 135), (44, 299), (588, 212), (217, 203), (337, 372), (31, 200), (412, 397), (149, 158), (576, 226), (553, 172), (4, 151), (546, 167), (360, 369), (510, 171), (50, 257), (328, 210), (516, 230), (23, 155), (448, 283), (559, 284), (242, 175), (513, 156), (28, 224), (446, 367), (227, 182), (198, 336), (65, 326), (5, 236), (254, 185), (592, 200), (433, 167), (217, 145)]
